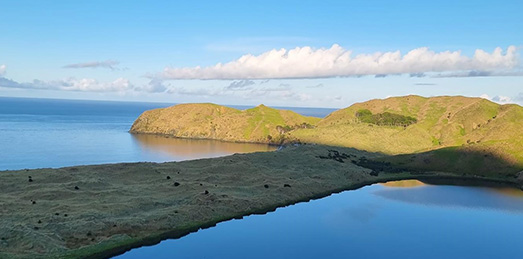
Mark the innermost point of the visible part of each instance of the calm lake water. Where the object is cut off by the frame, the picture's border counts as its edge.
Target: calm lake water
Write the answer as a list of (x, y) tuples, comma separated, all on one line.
[(405, 219), (400, 219), (37, 133)]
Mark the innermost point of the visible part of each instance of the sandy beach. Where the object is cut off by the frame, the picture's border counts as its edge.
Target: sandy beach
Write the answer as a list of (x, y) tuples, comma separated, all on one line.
[(104, 210)]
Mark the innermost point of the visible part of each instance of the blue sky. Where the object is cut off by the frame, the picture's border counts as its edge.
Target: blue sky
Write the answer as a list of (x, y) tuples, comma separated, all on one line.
[(138, 51)]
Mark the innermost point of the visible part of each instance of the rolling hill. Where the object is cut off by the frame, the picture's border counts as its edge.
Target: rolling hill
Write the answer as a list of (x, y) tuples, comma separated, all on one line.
[(441, 122), (260, 124), (453, 133)]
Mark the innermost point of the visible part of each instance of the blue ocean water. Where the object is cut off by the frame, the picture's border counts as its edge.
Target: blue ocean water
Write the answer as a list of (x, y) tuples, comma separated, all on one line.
[(36, 133), (377, 221)]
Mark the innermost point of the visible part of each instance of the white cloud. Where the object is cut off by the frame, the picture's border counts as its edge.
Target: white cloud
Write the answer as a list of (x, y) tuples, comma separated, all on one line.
[(501, 99), (92, 85), (154, 86), (71, 84), (110, 64), (2, 69), (485, 96), (307, 62)]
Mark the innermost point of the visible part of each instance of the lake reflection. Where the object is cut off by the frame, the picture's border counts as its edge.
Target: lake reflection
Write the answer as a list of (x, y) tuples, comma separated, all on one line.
[(378, 221), (184, 149), (404, 184), (454, 196)]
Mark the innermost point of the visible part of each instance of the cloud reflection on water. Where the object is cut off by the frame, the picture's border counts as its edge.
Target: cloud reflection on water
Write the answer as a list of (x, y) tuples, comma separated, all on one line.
[(505, 199)]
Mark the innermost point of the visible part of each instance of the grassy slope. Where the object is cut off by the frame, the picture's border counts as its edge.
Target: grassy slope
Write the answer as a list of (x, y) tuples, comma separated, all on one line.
[(451, 124), (461, 122), (213, 121), (121, 206)]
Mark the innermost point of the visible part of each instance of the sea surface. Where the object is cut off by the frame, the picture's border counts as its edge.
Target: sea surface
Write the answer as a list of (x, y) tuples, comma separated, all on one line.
[(37, 133), (406, 219)]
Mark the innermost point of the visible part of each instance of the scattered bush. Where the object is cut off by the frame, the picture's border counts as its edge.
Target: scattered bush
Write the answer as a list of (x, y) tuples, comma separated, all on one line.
[(384, 119), (287, 128)]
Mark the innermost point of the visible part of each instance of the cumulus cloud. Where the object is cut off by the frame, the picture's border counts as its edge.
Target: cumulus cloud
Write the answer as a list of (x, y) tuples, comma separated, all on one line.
[(4, 82), (71, 84), (154, 86), (501, 99), (2, 69), (110, 64), (485, 96), (307, 62)]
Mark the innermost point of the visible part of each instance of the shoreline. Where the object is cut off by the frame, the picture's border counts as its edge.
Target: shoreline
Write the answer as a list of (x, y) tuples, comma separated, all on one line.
[(212, 139), (154, 240), (252, 184)]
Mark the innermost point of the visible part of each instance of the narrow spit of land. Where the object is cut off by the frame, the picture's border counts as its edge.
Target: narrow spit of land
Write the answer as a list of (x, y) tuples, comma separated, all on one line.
[(103, 210)]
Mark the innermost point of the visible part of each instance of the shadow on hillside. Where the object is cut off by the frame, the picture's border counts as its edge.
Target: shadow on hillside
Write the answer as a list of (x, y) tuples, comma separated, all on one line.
[(456, 160)]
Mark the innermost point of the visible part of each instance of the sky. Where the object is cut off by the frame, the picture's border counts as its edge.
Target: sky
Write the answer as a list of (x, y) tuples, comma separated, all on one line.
[(279, 53)]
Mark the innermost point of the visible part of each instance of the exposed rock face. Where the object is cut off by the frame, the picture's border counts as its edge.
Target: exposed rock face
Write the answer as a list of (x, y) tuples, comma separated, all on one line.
[(211, 121)]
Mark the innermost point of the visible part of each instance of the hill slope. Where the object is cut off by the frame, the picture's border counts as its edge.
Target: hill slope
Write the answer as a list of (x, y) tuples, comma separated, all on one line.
[(446, 133), (210, 121), (445, 121)]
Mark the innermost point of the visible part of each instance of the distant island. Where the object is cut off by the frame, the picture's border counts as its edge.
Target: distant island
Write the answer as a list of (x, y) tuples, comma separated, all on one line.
[(104, 210)]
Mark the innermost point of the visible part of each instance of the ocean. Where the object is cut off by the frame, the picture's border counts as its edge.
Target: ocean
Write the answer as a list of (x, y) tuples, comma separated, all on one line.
[(40, 133)]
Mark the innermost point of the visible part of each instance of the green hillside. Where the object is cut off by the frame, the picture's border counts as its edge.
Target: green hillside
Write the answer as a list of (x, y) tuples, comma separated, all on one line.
[(440, 122), (210, 121), (446, 133)]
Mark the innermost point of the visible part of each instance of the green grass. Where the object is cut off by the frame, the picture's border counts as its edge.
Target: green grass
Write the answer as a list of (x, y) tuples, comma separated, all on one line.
[(397, 125), (462, 131)]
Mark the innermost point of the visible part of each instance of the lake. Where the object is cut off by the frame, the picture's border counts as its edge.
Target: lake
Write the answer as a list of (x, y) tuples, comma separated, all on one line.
[(405, 219), (398, 219)]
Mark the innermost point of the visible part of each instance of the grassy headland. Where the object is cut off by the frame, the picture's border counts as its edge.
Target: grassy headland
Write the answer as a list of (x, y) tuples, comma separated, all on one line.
[(260, 124), (393, 126)]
